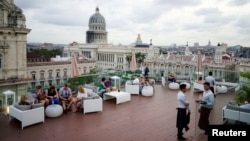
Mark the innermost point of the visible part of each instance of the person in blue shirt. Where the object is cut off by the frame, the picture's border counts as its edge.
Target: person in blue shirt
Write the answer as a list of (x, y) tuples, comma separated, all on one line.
[(65, 95), (206, 107)]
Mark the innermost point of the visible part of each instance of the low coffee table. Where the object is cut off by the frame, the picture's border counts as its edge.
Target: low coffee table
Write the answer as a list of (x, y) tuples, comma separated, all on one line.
[(121, 97)]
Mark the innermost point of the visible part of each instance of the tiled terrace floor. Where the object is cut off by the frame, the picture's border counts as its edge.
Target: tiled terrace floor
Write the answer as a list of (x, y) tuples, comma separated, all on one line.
[(141, 119)]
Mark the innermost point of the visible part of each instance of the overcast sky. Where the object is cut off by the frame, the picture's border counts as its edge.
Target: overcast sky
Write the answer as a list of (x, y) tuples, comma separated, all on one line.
[(164, 21)]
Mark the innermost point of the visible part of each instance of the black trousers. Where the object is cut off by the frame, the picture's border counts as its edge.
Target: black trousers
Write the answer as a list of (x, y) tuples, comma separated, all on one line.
[(181, 120), (204, 118), (212, 89)]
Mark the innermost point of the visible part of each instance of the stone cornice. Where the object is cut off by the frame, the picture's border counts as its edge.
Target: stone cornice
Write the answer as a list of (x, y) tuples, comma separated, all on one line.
[(6, 30), (32, 64)]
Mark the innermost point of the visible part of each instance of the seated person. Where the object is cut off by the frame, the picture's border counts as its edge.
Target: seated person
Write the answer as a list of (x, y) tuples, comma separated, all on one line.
[(146, 81), (136, 80), (52, 95), (103, 88), (65, 94), (171, 77), (108, 84), (246, 105), (41, 96), (23, 100), (80, 95), (200, 80)]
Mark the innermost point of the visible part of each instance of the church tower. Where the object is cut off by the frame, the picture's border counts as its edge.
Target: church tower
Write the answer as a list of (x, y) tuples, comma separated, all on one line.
[(13, 33), (97, 33), (13, 42)]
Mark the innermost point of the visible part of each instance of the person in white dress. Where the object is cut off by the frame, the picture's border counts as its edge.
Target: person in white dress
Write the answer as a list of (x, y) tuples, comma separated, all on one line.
[(80, 95)]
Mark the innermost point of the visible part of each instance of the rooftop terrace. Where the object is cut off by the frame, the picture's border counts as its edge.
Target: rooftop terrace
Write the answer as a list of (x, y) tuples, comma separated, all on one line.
[(141, 119)]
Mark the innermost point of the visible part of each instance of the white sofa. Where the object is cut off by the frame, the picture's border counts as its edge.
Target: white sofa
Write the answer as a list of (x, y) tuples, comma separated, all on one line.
[(234, 112), (27, 117), (132, 88)]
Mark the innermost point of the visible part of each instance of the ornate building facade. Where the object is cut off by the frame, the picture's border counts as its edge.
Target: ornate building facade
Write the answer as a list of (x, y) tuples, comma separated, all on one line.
[(13, 39), (55, 72), (223, 66)]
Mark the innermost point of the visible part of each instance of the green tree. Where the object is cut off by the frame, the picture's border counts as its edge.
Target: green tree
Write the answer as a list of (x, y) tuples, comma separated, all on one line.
[(140, 57), (244, 93), (52, 52)]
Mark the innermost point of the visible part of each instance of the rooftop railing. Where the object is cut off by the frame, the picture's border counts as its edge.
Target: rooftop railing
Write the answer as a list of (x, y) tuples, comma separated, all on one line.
[(95, 79)]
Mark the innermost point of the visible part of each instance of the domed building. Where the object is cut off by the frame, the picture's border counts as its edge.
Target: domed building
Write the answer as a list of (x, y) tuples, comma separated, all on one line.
[(97, 29), (107, 55)]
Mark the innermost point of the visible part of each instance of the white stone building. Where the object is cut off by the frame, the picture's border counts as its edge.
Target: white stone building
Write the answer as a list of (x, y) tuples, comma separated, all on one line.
[(13, 39), (222, 66), (55, 72), (97, 47)]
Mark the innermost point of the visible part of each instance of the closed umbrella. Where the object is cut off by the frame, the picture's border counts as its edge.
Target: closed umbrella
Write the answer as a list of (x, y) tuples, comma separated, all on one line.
[(199, 63), (74, 66), (133, 65)]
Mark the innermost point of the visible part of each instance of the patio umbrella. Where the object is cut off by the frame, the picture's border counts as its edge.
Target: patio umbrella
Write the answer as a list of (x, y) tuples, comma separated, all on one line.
[(133, 65), (199, 63), (74, 66)]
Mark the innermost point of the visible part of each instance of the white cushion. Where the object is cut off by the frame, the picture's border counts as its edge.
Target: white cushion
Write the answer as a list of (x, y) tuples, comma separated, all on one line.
[(87, 90), (54, 110), (174, 86), (221, 89), (147, 91)]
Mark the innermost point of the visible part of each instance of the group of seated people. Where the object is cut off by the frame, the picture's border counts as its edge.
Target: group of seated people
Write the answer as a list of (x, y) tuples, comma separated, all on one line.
[(171, 77), (142, 81), (62, 96), (106, 86)]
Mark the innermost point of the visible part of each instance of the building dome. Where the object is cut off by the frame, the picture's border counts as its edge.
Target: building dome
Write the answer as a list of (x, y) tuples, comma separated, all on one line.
[(97, 18), (97, 28)]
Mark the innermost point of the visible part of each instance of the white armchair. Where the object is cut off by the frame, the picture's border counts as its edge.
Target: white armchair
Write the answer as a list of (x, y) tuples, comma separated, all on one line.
[(27, 117), (132, 88), (92, 105)]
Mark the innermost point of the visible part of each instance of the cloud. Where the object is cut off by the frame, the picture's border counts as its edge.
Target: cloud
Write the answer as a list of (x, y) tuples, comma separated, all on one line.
[(238, 2), (178, 3), (164, 21), (208, 11)]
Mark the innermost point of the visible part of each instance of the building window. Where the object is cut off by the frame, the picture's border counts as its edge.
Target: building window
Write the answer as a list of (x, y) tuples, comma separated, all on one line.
[(57, 73), (58, 82), (33, 85), (41, 74), (65, 73), (50, 74), (34, 76), (42, 83), (1, 61), (50, 82)]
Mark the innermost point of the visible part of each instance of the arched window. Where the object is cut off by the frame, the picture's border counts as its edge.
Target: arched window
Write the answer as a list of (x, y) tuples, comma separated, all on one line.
[(42, 74), (65, 72), (33, 74), (58, 73), (50, 74)]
